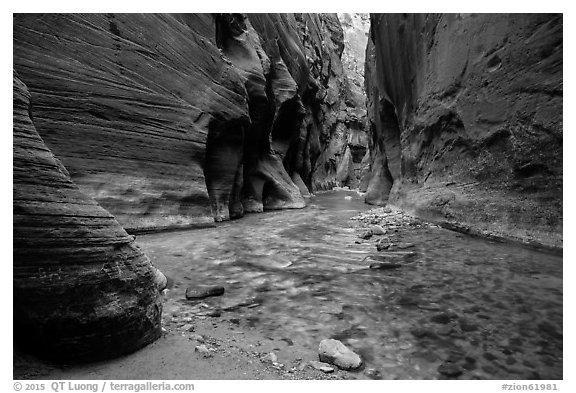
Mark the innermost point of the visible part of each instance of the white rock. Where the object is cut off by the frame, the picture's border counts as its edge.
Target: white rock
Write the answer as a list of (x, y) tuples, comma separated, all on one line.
[(320, 366), (334, 352), (378, 230)]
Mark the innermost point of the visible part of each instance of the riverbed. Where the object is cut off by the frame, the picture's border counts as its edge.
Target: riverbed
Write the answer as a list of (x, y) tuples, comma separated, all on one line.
[(490, 310)]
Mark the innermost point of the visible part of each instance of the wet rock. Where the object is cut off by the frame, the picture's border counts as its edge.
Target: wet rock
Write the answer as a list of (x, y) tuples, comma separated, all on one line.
[(320, 366), (442, 318), (203, 291), (445, 330), (489, 356), (373, 373), (214, 313), (469, 363), (383, 245), (450, 369), (422, 332), (160, 279), (270, 358), (467, 326), (334, 352), (365, 235), (384, 265), (378, 230), (203, 350), (197, 337), (549, 329)]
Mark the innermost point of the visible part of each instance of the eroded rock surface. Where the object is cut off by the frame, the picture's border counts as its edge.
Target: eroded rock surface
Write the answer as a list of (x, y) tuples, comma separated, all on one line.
[(183, 119), (82, 289), (466, 119)]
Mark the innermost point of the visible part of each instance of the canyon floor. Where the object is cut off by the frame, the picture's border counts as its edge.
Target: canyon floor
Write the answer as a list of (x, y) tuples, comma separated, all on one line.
[(431, 304)]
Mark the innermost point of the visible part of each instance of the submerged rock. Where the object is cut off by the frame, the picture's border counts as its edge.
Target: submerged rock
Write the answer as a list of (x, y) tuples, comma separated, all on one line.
[(334, 352), (203, 291), (365, 235), (378, 230), (384, 265), (450, 369), (383, 245)]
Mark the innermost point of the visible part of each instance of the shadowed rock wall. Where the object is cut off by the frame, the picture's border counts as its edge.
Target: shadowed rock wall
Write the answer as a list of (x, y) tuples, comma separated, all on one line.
[(82, 289), (466, 119), (173, 120)]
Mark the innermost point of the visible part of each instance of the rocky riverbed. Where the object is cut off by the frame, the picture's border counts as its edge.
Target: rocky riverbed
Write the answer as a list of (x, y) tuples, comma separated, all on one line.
[(454, 306)]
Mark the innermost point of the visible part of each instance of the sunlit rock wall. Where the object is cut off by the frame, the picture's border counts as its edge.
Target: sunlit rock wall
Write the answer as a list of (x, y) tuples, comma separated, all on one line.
[(466, 119)]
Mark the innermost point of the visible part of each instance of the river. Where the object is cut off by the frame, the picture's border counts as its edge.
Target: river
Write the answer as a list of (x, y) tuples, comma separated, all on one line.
[(491, 310)]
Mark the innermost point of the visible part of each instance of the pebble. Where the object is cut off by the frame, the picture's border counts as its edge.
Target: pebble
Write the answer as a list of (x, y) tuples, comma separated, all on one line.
[(372, 373), (203, 291), (378, 230), (405, 245), (384, 265), (383, 245), (365, 235), (197, 337), (334, 352), (449, 369), (270, 357), (320, 366), (203, 350)]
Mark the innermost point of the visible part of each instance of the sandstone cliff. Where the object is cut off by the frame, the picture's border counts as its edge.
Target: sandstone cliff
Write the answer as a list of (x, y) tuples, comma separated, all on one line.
[(466, 120), (82, 289), (169, 120)]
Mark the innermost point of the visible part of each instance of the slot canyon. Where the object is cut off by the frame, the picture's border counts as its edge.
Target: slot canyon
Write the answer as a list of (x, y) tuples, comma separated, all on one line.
[(288, 196)]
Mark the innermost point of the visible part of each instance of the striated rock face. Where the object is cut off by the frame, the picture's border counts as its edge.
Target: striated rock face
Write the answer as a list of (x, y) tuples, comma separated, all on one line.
[(466, 119), (170, 120), (82, 289)]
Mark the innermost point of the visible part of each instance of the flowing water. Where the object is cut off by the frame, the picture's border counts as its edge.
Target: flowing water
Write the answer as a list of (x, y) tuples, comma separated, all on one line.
[(486, 309)]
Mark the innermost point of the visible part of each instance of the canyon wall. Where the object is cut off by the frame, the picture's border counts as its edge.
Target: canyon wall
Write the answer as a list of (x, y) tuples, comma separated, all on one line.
[(82, 289), (183, 119), (466, 120)]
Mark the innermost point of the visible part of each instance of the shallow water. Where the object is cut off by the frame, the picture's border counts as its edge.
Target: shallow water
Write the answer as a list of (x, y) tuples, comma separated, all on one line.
[(492, 310)]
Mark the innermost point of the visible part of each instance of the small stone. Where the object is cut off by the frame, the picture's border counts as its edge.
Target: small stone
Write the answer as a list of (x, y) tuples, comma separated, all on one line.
[(489, 356), (320, 366), (467, 326), (383, 245), (405, 245), (372, 373), (214, 313), (365, 235), (445, 330), (449, 369), (378, 230), (334, 352), (423, 332), (444, 317), (188, 327), (203, 350), (197, 337), (270, 357), (384, 265), (204, 291)]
